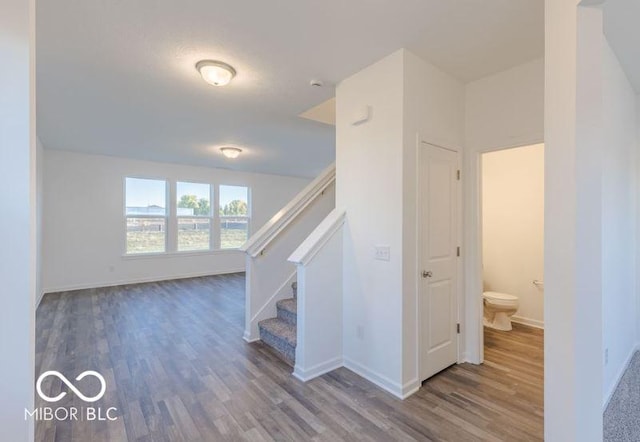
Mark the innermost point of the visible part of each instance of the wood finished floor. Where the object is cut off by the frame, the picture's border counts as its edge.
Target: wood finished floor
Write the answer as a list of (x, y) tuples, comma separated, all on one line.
[(177, 369)]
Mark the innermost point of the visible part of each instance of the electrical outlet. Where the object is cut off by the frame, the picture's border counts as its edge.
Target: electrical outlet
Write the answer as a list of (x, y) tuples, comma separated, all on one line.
[(360, 332), (383, 253), (606, 356)]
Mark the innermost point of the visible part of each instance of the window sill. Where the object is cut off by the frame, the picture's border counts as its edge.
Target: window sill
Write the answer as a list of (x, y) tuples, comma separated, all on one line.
[(179, 254)]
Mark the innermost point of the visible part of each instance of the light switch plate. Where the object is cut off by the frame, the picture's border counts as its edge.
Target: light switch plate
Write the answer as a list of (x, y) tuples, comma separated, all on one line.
[(383, 253)]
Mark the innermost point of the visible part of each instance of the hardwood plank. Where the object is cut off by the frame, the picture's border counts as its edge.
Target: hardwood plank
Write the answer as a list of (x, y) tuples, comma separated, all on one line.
[(177, 369)]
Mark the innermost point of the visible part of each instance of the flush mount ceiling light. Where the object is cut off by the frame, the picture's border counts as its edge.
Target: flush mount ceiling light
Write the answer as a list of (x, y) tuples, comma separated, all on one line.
[(230, 152), (215, 72)]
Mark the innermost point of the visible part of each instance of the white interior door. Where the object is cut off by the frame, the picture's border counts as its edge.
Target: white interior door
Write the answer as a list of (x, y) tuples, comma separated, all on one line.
[(439, 259)]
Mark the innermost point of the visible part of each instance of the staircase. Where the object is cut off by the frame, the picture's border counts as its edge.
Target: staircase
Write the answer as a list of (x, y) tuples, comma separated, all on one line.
[(280, 333)]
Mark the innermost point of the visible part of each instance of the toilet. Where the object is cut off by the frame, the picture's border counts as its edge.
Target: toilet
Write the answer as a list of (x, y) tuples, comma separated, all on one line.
[(498, 309)]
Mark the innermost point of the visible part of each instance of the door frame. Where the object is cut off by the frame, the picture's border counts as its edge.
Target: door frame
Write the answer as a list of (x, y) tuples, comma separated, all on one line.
[(420, 144), (473, 329)]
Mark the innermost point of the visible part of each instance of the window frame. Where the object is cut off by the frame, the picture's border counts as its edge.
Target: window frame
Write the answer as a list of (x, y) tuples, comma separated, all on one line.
[(171, 217), (166, 215)]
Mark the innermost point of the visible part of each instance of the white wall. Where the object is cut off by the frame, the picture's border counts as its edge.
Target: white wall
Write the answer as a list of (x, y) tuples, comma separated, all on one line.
[(506, 109), (637, 255), (376, 186), (573, 147), (503, 110), (18, 220), (83, 240), (513, 227), (39, 209), (619, 208), (434, 113), (369, 186)]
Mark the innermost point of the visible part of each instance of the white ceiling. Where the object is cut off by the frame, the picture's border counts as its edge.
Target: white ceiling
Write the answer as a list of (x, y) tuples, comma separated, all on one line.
[(117, 77), (623, 33)]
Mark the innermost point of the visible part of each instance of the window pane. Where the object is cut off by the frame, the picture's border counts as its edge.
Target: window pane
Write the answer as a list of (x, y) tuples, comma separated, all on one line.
[(234, 201), (193, 199), (194, 234), (233, 231), (146, 235), (146, 197)]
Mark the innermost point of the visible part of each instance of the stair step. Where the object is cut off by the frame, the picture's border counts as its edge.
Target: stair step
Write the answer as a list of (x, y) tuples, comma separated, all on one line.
[(288, 310), (281, 336)]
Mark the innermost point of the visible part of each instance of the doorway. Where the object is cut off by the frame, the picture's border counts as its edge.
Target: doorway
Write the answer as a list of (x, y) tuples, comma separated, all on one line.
[(438, 257), (512, 238)]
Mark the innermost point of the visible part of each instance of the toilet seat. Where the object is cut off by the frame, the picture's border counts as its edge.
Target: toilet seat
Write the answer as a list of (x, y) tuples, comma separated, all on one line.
[(500, 299), (498, 309)]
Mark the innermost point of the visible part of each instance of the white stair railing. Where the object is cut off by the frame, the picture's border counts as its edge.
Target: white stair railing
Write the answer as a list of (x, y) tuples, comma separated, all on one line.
[(273, 228), (269, 274)]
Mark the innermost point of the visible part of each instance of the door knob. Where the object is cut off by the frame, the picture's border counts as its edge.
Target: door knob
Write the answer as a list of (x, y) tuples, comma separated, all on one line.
[(427, 273)]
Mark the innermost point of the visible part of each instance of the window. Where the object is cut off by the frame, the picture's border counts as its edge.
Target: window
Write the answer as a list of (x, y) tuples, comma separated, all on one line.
[(195, 222), (146, 215), (234, 216), (194, 216)]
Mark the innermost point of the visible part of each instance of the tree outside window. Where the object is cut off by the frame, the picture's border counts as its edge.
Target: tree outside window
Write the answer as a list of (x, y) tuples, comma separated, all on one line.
[(234, 216)]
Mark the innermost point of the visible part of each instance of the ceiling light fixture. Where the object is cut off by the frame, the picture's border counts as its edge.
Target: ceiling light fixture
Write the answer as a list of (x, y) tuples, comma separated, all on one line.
[(215, 72), (230, 152)]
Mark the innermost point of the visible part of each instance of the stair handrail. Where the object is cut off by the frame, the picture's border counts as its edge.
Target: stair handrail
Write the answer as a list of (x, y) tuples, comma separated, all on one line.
[(319, 237), (259, 241)]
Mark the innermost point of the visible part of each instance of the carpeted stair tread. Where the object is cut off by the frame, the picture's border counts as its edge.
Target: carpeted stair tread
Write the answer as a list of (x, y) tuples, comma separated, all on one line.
[(290, 305), (281, 329), (288, 310), (281, 336), (280, 332)]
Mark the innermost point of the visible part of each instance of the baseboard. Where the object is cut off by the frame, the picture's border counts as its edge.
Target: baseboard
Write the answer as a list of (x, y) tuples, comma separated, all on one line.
[(471, 356), (410, 387), (399, 391), (621, 373), (39, 300), (97, 285), (317, 370), (247, 337), (527, 321)]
